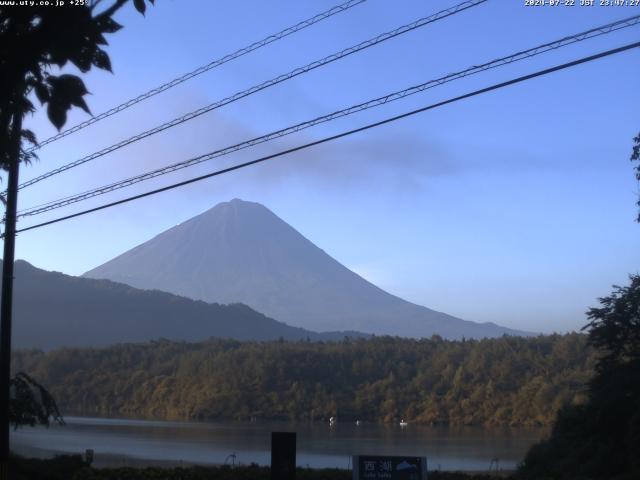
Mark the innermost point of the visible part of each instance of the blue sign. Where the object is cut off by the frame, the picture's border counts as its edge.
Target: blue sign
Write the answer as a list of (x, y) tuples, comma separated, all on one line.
[(374, 467)]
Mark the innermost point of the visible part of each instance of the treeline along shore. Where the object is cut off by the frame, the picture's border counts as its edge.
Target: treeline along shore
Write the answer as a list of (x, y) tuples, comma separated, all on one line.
[(508, 381)]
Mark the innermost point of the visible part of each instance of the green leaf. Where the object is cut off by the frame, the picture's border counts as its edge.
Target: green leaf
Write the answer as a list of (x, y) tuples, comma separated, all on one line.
[(108, 25), (66, 90), (140, 6), (29, 136), (101, 60), (42, 92), (79, 102), (67, 85), (100, 40), (83, 59), (57, 113)]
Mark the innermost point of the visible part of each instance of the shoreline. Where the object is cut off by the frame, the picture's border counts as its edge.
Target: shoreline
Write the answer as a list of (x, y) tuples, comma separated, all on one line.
[(110, 460), (263, 420), (167, 444)]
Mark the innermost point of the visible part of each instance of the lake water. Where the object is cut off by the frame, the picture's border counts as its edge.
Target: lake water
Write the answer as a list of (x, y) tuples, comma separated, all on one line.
[(125, 442)]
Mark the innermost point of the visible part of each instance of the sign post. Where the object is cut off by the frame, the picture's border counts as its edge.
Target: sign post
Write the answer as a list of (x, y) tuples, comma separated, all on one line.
[(283, 456), (375, 467)]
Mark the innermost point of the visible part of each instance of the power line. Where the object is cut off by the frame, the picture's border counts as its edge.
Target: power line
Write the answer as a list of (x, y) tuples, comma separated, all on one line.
[(269, 83), (497, 86), (205, 68), (538, 50)]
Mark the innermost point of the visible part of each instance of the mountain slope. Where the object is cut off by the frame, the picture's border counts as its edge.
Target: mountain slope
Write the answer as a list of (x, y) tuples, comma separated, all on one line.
[(53, 310), (241, 252)]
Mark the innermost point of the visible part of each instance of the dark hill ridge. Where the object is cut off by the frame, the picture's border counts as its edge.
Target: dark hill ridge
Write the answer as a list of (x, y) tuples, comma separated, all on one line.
[(53, 310), (242, 252)]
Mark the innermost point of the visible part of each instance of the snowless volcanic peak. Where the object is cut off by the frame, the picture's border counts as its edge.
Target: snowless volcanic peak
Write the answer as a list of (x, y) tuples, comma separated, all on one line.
[(240, 251)]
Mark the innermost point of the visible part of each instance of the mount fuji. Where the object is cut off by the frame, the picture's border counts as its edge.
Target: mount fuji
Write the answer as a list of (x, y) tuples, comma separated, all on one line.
[(240, 251)]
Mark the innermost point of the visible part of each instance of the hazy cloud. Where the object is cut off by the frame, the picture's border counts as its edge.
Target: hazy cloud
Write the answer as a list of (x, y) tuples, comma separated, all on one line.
[(396, 162)]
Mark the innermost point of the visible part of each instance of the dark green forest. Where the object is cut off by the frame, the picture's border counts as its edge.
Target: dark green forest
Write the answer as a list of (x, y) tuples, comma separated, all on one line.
[(507, 381)]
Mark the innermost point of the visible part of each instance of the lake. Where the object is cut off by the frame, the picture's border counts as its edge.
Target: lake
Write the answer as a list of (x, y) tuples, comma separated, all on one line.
[(136, 442)]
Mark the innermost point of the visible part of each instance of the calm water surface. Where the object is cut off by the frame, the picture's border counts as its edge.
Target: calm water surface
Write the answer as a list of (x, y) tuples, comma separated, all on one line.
[(319, 445)]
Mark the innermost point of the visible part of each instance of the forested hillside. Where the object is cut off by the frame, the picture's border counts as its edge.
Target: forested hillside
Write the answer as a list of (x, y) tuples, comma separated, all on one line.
[(505, 381), (53, 310)]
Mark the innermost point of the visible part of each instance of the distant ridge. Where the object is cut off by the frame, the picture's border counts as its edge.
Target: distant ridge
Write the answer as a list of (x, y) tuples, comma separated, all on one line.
[(240, 251), (54, 310)]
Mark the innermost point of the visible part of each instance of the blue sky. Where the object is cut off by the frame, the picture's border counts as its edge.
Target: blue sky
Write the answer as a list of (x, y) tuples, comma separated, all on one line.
[(515, 207)]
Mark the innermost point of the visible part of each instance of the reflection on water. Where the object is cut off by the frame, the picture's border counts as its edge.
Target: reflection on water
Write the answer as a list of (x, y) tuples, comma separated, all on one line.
[(319, 445)]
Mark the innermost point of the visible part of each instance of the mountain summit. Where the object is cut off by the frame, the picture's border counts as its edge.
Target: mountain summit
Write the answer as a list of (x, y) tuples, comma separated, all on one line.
[(240, 251)]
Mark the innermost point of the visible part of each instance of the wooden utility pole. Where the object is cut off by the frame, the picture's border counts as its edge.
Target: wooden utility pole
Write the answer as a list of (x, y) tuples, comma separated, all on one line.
[(6, 305)]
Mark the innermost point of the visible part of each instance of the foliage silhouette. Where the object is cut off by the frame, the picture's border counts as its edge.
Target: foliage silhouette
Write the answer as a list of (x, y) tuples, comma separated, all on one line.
[(31, 403), (635, 157), (601, 439), (34, 40)]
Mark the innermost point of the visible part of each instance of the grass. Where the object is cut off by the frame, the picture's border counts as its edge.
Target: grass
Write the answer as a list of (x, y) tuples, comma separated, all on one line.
[(72, 467)]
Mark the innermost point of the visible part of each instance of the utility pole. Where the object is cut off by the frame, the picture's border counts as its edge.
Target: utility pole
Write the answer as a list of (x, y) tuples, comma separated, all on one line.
[(6, 304)]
